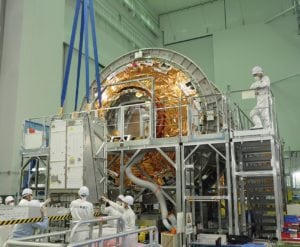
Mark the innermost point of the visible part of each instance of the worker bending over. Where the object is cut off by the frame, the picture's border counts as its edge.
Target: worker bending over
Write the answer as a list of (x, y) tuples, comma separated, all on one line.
[(24, 230)]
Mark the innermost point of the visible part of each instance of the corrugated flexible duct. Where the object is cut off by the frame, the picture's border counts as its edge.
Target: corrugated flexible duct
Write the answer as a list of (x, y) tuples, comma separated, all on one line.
[(155, 189)]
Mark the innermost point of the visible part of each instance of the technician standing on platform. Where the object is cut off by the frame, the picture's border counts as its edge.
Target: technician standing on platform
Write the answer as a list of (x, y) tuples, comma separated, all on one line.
[(260, 115)]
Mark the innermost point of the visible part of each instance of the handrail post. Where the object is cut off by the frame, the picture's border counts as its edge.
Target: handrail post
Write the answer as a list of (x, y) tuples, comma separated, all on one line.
[(90, 232), (156, 236), (228, 113), (151, 236), (123, 234), (100, 229), (91, 221)]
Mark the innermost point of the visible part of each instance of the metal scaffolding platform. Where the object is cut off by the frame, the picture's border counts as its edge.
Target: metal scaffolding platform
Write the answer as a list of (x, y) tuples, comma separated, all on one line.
[(257, 185), (192, 162)]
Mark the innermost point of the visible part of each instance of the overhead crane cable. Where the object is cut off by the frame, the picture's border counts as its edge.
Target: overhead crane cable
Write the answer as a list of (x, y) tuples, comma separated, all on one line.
[(87, 9)]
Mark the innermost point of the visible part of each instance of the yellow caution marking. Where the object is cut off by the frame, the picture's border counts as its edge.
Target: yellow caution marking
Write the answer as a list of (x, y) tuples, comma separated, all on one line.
[(38, 219)]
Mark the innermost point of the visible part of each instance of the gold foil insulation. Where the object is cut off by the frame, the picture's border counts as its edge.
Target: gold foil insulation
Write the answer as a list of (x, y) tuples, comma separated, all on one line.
[(170, 99), (153, 164), (168, 95)]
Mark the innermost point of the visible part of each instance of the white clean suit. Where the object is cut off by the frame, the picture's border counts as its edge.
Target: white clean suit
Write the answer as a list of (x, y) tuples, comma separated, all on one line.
[(129, 218), (260, 114), (81, 210), (110, 211)]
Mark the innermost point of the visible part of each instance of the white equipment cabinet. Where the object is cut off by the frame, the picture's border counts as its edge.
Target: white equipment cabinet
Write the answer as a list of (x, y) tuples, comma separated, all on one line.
[(58, 144), (75, 155), (76, 158), (66, 154)]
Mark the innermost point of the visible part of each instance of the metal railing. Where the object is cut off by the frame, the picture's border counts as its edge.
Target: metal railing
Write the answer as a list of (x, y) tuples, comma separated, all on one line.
[(41, 126), (242, 121), (243, 102), (167, 118), (120, 236), (184, 117), (37, 240), (206, 114), (153, 238), (142, 120), (128, 121)]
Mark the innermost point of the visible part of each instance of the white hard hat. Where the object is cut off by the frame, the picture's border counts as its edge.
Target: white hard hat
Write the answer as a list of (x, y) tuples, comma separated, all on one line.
[(83, 191), (129, 200), (26, 192), (9, 199), (121, 198), (256, 70)]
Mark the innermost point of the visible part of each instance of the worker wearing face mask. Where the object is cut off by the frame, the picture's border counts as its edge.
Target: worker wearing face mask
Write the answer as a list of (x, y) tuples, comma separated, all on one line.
[(10, 201), (128, 216), (5, 231), (81, 209), (260, 113)]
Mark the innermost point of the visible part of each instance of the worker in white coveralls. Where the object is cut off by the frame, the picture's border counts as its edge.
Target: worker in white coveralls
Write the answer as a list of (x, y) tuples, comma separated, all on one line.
[(260, 113), (111, 211), (25, 230), (26, 197), (111, 228), (128, 216), (5, 231), (81, 209)]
